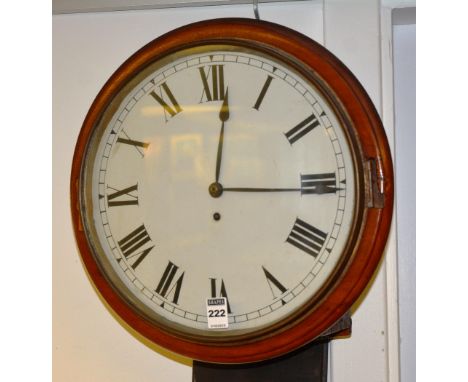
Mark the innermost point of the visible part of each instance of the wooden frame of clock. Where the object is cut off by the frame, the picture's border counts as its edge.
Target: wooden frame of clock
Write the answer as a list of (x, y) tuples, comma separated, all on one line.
[(374, 196)]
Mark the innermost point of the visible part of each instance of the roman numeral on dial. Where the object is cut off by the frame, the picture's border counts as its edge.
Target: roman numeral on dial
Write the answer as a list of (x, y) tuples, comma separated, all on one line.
[(134, 245), (167, 287), (123, 197), (307, 237), (261, 96), (137, 145), (132, 142), (222, 292), (213, 83), (168, 110), (319, 183), (301, 129), (277, 289)]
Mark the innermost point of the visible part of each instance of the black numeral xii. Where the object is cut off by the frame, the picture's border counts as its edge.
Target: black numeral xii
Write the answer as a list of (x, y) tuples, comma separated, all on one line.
[(213, 83)]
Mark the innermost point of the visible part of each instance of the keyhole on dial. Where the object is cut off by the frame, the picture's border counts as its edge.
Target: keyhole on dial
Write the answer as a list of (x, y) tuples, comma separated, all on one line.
[(216, 216)]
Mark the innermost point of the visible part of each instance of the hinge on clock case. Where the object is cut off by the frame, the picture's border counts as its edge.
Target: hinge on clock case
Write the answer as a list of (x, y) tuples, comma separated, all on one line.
[(374, 179)]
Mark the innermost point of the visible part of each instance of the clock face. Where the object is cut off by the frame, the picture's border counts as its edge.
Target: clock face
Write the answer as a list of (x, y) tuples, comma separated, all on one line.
[(237, 159), (273, 229)]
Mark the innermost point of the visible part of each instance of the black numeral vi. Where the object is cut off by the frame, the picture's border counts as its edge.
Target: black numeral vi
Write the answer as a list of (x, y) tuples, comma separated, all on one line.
[(222, 292)]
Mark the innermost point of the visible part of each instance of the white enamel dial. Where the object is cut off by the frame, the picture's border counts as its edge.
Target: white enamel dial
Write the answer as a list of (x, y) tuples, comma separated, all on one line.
[(271, 230)]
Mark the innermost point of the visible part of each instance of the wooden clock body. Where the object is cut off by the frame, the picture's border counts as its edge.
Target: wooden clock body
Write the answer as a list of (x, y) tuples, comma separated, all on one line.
[(373, 191)]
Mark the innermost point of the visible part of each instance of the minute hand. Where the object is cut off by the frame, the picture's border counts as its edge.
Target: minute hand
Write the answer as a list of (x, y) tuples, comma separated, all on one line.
[(258, 189)]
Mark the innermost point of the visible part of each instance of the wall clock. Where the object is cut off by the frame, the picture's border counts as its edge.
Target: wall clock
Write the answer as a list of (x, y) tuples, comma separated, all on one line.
[(231, 158)]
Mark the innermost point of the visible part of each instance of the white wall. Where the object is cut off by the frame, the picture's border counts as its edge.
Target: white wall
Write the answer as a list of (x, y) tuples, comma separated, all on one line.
[(404, 52), (89, 343)]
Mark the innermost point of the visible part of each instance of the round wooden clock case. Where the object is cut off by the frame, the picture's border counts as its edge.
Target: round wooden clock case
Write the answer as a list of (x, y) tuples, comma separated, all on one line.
[(232, 158)]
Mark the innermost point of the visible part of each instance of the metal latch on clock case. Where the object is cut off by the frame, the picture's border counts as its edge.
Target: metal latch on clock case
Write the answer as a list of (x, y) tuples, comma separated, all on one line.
[(374, 183)]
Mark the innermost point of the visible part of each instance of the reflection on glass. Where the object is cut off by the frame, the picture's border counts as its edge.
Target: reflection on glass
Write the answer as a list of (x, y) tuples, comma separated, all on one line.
[(186, 156)]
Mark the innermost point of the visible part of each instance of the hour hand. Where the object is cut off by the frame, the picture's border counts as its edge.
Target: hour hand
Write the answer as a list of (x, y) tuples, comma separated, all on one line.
[(224, 112), (223, 116)]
